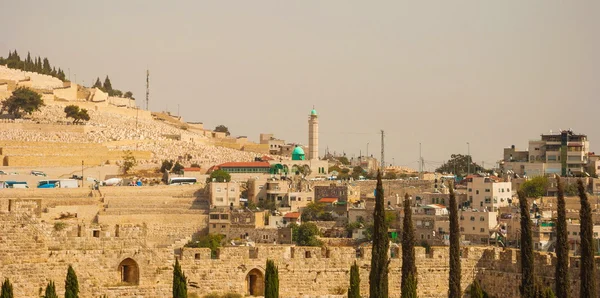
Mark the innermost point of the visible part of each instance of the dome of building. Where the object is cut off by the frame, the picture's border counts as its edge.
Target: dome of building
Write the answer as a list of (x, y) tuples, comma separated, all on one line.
[(313, 112), (298, 153)]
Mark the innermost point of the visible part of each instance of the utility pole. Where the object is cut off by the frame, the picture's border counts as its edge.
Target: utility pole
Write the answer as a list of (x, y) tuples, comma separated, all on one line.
[(382, 151), (147, 88), (82, 173), (468, 158)]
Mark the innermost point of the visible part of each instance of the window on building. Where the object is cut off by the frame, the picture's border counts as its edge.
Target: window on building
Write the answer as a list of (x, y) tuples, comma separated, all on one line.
[(96, 234), (487, 190), (482, 230), (224, 216), (477, 192), (219, 199), (462, 217), (470, 189), (214, 216), (265, 237), (214, 226), (472, 218), (480, 204), (443, 201), (488, 200), (232, 189), (481, 218), (218, 189), (422, 236), (223, 226), (462, 229)]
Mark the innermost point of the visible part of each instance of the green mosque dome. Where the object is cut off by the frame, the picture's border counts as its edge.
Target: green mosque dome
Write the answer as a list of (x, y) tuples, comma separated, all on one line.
[(298, 153), (313, 112)]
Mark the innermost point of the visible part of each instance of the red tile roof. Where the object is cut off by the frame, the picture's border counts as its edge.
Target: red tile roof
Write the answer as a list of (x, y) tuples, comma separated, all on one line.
[(328, 200), (253, 164), (292, 215), (265, 158)]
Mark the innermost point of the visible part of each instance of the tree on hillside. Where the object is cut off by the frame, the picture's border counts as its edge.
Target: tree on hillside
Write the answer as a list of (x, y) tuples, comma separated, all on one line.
[(535, 187), (562, 245), (22, 101), (344, 160), (459, 165), (390, 175), (212, 241), (408, 285), (166, 165), (179, 281), (357, 172), (219, 176), (271, 280), (527, 277), (7, 289), (50, 290), (129, 162), (97, 84), (222, 128), (306, 235), (73, 111), (178, 168), (71, 284), (313, 211), (588, 267), (454, 289), (354, 289), (378, 277), (107, 86), (128, 94)]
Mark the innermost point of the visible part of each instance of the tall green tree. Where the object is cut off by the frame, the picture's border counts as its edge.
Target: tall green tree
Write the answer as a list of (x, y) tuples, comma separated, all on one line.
[(454, 289), (408, 284), (7, 289), (562, 245), (46, 68), (97, 84), (535, 187), (22, 101), (354, 289), (107, 86), (527, 276), (71, 284), (222, 128), (179, 281), (271, 280), (378, 277), (50, 290), (459, 165), (587, 273), (476, 291)]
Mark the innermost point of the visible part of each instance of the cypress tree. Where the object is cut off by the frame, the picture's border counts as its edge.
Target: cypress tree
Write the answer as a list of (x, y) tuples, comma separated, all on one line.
[(454, 278), (475, 291), (562, 245), (46, 69), (107, 86), (50, 290), (71, 284), (409, 269), (378, 277), (179, 281), (527, 281), (7, 290), (354, 289), (97, 84), (587, 269), (271, 280)]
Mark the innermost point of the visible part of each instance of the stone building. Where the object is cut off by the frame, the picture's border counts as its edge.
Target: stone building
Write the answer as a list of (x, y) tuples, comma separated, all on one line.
[(343, 192)]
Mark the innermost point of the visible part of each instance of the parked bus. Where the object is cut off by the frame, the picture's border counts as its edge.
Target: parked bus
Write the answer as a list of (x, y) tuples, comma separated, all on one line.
[(13, 184), (182, 181), (59, 183)]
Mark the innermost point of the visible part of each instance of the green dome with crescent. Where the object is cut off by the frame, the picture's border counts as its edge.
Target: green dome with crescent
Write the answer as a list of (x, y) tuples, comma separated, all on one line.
[(298, 153)]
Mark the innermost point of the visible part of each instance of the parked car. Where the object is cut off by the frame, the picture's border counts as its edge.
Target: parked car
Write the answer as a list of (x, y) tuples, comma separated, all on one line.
[(3, 173), (38, 173)]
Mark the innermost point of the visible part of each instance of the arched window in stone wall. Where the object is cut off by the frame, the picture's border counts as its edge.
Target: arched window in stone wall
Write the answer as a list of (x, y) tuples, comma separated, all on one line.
[(130, 272), (255, 283)]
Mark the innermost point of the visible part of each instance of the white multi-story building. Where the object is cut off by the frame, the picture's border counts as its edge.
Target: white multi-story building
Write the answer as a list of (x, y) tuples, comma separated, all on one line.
[(224, 194), (485, 193)]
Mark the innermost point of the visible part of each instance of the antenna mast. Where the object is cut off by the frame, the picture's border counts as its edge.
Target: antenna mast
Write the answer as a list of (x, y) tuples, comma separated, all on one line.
[(147, 87), (382, 151)]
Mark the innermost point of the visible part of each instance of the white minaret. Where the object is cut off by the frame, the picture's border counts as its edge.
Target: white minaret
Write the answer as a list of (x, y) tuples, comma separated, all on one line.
[(313, 136)]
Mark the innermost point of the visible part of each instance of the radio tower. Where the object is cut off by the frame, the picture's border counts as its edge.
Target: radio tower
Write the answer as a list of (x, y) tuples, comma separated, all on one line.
[(382, 151), (147, 88)]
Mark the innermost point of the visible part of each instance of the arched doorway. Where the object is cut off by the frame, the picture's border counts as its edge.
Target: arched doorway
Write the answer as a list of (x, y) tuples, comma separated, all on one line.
[(255, 283), (130, 272)]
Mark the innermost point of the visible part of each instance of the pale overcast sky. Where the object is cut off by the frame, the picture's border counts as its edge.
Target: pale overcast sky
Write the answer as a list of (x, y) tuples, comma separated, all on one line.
[(440, 73)]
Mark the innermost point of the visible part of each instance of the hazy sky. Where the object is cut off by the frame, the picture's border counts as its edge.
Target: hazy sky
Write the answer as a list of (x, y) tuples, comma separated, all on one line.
[(440, 73)]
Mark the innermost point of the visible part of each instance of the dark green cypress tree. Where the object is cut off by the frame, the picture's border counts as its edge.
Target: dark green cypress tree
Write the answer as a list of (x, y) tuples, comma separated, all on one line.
[(527, 281), (378, 277), (46, 69), (354, 289), (50, 290), (587, 269), (562, 245), (271, 280), (179, 281), (107, 86), (71, 284), (409, 268), (454, 288), (97, 84), (475, 291), (7, 289)]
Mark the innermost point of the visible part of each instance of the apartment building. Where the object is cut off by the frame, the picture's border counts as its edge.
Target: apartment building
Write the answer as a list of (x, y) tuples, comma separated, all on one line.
[(224, 194), (564, 153), (478, 226), (488, 193)]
